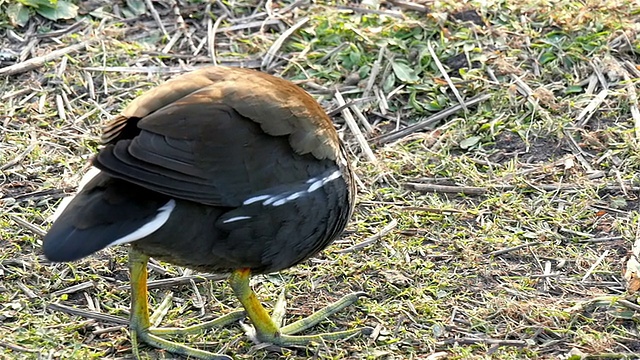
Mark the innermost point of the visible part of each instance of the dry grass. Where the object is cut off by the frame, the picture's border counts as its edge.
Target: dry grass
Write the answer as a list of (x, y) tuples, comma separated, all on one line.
[(514, 218)]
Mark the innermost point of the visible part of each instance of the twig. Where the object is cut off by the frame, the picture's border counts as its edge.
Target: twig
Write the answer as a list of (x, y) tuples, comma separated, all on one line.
[(336, 50), (30, 294), (19, 348), (409, 5), (601, 239), (141, 70), (27, 225), (372, 239), (224, 8), (39, 61), (37, 195), (599, 74), (591, 108), (60, 106), (74, 288), (542, 167), (271, 53), (398, 134), (69, 29), (449, 189), (351, 122), (470, 341), (629, 304), (156, 17), (347, 104), (108, 330), (211, 31), (22, 155), (446, 77), (183, 26), (395, 14), (250, 25), (252, 64), (578, 153), (578, 233), (633, 103), (161, 310), (474, 190), (508, 250), (88, 314), (182, 280), (632, 268), (363, 119), (375, 69), (174, 39), (595, 264)]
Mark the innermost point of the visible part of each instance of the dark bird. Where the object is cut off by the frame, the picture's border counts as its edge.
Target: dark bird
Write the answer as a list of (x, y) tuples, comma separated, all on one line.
[(221, 170)]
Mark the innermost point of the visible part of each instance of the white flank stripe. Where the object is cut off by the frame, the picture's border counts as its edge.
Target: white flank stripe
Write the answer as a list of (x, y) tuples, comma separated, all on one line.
[(315, 186), (237, 218), (93, 172), (279, 202), (320, 183), (287, 196), (295, 195), (148, 228), (255, 199), (334, 175)]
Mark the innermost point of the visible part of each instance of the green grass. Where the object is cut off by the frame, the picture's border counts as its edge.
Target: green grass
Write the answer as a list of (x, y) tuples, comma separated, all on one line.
[(449, 280)]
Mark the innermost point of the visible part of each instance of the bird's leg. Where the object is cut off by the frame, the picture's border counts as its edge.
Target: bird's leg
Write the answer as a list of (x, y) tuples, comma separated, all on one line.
[(266, 330), (140, 325)]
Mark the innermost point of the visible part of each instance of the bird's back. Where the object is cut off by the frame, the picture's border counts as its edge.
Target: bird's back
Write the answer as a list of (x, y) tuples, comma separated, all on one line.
[(216, 170)]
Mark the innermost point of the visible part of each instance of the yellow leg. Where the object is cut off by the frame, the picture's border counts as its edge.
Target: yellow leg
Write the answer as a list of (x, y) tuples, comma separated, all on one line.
[(266, 330), (140, 326)]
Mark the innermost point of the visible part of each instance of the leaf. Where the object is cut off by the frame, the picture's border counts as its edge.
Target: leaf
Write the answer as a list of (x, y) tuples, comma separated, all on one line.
[(573, 89), (18, 14), (618, 203), (547, 57), (137, 7), (388, 83), (433, 105), (413, 101), (62, 10), (469, 142), (38, 3), (404, 72)]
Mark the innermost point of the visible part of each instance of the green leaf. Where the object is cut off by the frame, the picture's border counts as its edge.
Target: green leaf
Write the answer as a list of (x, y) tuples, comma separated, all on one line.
[(62, 10), (18, 14), (413, 101), (138, 7), (388, 83), (404, 72), (364, 71), (573, 89), (39, 3), (469, 142), (618, 203), (433, 105), (547, 57)]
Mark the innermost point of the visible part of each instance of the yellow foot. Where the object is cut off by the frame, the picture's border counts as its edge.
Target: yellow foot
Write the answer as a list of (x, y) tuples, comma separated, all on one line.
[(144, 335), (151, 336), (285, 337)]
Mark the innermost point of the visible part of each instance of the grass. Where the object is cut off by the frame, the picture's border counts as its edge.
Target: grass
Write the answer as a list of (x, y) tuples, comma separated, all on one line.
[(515, 218)]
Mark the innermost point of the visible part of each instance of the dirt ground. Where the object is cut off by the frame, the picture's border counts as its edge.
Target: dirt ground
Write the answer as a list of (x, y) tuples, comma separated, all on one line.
[(497, 174)]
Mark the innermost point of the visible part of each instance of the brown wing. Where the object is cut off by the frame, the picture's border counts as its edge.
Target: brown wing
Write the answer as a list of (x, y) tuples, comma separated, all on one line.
[(280, 107), (221, 140)]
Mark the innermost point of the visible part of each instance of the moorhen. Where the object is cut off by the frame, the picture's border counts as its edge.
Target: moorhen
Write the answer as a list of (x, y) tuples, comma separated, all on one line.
[(218, 170)]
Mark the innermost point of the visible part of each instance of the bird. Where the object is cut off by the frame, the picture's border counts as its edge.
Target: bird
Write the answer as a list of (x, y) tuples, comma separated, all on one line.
[(222, 170)]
